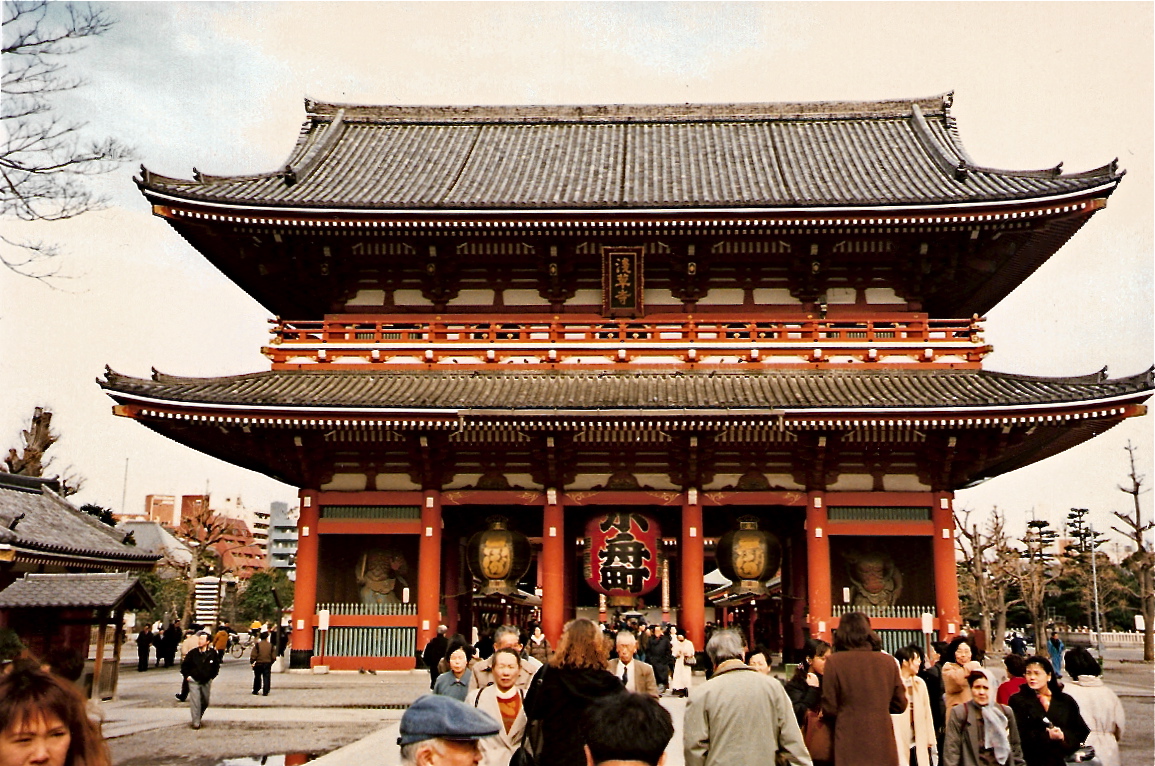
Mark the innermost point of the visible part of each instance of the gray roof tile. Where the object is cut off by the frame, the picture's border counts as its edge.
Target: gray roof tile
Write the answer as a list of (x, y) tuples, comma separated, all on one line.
[(628, 156), (575, 391), (92, 590), (52, 525)]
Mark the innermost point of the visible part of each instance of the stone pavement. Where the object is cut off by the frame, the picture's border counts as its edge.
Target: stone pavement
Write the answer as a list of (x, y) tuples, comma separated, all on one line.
[(353, 717)]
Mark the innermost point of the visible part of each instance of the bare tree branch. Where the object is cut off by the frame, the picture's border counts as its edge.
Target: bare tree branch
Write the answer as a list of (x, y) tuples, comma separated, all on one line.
[(44, 157)]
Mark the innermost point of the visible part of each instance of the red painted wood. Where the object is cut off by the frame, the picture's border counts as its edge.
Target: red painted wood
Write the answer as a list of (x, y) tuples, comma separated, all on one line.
[(367, 527), (368, 663), (551, 563), (894, 499), (370, 621), (429, 569), (818, 567), (945, 572), (693, 560), (894, 528), (305, 589), (747, 497)]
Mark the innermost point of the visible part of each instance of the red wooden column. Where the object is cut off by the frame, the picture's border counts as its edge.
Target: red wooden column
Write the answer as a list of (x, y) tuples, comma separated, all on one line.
[(818, 568), (945, 572), (451, 555), (305, 589), (692, 615), (552, 567), (429, 569)]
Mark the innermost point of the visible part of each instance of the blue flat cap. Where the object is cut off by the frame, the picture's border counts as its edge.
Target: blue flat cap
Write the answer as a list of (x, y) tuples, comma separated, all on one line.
[(435, 716)]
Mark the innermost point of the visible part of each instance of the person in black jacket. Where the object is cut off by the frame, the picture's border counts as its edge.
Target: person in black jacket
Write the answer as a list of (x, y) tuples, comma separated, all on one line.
[(201, 666), (805, 687), (169, 642), (660, 657), (561, 692), (1050, 725), (434, 651)]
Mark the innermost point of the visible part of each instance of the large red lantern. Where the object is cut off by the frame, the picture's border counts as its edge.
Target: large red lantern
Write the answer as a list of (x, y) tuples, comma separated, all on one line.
[(498, 556), (748, 556), (622, 555)]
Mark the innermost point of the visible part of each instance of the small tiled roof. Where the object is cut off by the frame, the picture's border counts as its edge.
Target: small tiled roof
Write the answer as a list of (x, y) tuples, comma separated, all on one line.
[(34, 518), (153, 538), (90, 590), (652, 391), (761, 155)]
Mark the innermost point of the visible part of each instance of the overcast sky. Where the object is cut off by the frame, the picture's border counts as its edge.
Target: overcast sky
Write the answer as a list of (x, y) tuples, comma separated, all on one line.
[(220, 86)]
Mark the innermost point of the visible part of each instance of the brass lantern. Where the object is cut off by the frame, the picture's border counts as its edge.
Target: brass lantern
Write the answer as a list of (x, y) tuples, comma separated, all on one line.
[(498, 556), (748, 556)]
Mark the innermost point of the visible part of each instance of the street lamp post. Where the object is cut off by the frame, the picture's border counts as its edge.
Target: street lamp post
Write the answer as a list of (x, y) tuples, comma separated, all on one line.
[(1095, 594)]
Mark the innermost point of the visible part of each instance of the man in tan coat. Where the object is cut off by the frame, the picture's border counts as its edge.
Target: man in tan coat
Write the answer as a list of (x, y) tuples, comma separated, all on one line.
[(505, 637), (739, 715), (636, 676)]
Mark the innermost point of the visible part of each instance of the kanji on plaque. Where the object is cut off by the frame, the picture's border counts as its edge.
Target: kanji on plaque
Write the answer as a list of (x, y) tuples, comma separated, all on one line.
[(622, 559)]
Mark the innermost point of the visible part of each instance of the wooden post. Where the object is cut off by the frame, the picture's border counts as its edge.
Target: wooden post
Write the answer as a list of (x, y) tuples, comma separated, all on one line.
[(945, 572), (118, 642), (552, 566), (98, 665), (429, 569), (305, 589), (818, 568), (693, 613)]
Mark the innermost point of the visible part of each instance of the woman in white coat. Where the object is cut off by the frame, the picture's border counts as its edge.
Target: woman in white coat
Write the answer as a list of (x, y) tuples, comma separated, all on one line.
[(502, 701), (683, 651), (1098, 705), (914, 727)]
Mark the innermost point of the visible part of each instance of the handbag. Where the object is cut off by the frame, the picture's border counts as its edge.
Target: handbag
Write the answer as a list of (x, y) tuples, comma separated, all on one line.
[(690, 660), (531, 744), (817, 736)]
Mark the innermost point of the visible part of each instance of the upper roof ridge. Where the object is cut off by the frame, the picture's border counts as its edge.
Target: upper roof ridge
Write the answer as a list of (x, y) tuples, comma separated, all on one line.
[(687, 112)]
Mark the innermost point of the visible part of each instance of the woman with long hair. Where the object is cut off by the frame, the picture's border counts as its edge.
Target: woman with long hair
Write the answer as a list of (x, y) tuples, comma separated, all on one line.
[(561, 692), (958, 662), (980, 731), (44, 720), (805, 692), (1099, 706), (861, 688), (1049, 721), (914, 727)]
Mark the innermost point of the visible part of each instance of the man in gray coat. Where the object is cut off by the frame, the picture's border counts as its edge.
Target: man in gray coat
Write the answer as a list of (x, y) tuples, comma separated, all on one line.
[(739, 715)]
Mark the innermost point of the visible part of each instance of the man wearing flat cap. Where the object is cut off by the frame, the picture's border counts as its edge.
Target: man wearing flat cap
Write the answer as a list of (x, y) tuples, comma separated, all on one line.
[(440, 731)]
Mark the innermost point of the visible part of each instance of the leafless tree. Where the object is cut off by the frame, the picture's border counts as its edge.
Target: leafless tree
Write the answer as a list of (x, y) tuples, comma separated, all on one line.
[(207, 535), (984, 553), (1032, 568), (30, 459), (1142, 561), (45, 158)]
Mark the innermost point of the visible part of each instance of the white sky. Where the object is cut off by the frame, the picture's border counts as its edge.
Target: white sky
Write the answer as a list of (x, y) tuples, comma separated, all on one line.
[(220, 86)]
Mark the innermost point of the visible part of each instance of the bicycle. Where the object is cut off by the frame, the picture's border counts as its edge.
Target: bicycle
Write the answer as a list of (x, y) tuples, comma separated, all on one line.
[(239, 644)]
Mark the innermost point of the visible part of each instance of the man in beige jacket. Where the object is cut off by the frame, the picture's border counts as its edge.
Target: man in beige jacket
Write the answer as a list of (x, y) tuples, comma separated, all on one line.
[(636, 676), (505, 637), (739, 715)]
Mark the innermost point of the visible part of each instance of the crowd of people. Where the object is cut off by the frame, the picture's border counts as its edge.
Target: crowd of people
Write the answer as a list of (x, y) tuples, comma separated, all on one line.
[(938, 706)]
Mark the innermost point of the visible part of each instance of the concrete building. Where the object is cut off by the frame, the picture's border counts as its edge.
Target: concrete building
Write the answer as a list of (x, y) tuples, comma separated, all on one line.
[(283, 538)]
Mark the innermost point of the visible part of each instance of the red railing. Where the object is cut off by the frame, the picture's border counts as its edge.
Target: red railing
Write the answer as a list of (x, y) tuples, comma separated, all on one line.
[(665, 341)]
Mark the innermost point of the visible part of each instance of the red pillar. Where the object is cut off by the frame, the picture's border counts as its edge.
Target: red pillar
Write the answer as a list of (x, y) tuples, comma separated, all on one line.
[(305, 589), (451, 555), (552, 568), (692, 616), (818, 568), (429, 569), (945, 572)]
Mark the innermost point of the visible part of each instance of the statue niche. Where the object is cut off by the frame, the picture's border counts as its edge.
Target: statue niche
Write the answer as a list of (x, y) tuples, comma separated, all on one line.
[(875, 580), (382, 575)]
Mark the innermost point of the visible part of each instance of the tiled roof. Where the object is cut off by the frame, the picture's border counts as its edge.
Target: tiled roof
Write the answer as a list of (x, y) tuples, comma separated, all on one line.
[(153, 538), (629, 157), (51, 525), (656, 391), (91, 590)]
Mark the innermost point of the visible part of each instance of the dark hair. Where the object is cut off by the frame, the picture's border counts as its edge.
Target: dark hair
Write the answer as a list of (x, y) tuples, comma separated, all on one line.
[(759, 649), (65, 662), (1044, 663), (948, 654), (582, 645), (28, 694), (908, 652), (1014, 664), (854, 632), (628, 727), (1080, 662), (975, 675), (459, 643)]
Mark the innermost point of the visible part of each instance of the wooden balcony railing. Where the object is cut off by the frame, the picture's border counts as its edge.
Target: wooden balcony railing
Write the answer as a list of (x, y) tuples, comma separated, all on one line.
[(339, 342)]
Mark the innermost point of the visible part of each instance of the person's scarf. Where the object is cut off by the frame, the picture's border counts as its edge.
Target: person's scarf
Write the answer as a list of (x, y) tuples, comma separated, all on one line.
[(995, 729)]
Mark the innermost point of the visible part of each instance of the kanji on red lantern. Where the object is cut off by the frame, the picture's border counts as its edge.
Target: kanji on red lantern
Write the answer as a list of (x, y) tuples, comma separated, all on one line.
[(622, 558)]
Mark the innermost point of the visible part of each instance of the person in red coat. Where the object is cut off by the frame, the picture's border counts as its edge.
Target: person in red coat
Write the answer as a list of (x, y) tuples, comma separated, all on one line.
[(861, 688)]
